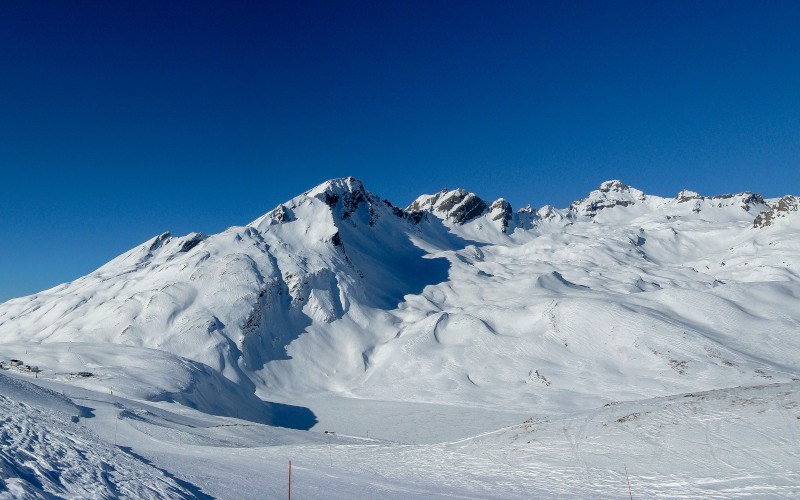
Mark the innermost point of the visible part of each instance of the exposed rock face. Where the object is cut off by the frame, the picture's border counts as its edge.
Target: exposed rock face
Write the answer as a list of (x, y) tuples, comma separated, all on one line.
[(501, 211), (610, 194), (615, 186), (686, 196), (282, 215), (525, 217), (784, 206), (344, 196), (549, 213), (192, 241), (749, 200), (458, 206), (746, 200), (426, 203)]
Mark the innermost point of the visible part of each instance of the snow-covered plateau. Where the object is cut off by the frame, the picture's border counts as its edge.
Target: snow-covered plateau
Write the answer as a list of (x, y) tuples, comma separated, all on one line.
[(627, 345)]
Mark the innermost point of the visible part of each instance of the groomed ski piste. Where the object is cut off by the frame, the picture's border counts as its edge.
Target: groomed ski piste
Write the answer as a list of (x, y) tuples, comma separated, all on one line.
[(627, 345)]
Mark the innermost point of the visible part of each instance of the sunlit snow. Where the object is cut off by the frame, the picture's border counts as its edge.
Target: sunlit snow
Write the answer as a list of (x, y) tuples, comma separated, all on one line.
[(457, 348)]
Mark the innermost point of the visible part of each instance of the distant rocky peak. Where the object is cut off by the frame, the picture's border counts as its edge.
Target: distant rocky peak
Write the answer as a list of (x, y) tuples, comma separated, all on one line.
[(500, 205), (610, 194), (450, 200), (615, 186), (549, 213), (615, 189), (425, 202), (686, 195), (347, 195), (343, 196), (501, 212), (342, 186), (458, 205), (348, 192)]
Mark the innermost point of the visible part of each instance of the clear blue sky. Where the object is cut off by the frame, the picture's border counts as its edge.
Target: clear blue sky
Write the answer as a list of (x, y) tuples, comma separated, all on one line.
[(121, 120)]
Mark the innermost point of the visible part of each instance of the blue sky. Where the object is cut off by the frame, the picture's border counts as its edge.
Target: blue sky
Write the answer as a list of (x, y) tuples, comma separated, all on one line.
[(121, 120)]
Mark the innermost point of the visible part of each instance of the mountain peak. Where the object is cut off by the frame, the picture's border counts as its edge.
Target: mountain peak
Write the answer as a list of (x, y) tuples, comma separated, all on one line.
[(617, 190), (337, 187), (458, 205), (343, 196), (425, 202), (615, 186), (687, 195), (501, 211), (611, 193)]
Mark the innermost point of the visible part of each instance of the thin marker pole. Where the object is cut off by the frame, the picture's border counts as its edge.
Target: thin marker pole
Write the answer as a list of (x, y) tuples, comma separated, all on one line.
[(290, 480), (629, 481)]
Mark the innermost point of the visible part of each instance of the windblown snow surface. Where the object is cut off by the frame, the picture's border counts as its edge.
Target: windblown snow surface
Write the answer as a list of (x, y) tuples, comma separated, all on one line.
[(454, 349)]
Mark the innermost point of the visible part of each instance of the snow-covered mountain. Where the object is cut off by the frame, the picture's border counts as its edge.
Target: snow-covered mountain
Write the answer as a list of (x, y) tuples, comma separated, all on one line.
[(337, 303), (621, 295)]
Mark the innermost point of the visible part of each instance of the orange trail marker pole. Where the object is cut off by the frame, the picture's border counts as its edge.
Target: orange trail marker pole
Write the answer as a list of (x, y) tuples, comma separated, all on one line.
[(290, 480)]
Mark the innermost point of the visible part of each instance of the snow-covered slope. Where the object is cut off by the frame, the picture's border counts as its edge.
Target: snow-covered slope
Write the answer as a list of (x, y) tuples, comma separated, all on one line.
[(455, 309), (621, 295), (693, 445), (46, 453)]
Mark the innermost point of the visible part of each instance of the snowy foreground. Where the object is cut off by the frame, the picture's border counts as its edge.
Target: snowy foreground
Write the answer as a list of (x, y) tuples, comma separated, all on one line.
[(454, 349), (720, 444)]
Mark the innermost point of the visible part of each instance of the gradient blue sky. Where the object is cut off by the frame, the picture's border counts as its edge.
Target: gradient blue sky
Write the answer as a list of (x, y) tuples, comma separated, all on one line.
[(121, 120)]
